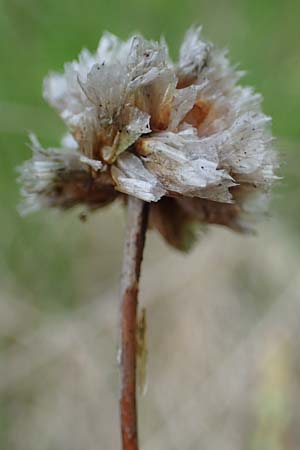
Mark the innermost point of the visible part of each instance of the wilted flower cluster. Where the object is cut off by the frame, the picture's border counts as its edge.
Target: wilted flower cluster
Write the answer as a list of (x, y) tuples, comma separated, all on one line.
[(185, 137)]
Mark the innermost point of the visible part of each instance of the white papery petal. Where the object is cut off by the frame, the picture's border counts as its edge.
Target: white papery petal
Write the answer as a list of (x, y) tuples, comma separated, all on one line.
[(56, 90), (183, 102), (193, 54), (39, 174), (108, 47), (68, 141), (138, 124), (201, 62), (133, 178), (106, 87), (93, 163), (184, 165)]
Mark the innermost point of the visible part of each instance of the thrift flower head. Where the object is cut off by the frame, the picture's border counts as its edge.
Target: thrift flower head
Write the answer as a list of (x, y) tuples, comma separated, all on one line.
[(183, 136)]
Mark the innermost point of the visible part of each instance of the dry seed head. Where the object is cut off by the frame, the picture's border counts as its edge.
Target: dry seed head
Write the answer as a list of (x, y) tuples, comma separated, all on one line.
[(185, 137)]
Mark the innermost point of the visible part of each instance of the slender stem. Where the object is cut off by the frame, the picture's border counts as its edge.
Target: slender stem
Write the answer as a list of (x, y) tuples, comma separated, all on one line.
[(133, 255)]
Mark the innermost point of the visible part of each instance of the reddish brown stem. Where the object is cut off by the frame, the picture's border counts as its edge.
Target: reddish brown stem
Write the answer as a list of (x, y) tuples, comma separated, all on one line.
[(133, 255)]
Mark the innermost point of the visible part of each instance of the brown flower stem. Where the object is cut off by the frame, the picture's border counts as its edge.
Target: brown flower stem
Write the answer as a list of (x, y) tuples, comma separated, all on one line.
[(133, 255)]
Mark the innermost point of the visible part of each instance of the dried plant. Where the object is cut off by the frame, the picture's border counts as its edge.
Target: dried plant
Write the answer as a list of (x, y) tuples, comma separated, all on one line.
[(181, 144)]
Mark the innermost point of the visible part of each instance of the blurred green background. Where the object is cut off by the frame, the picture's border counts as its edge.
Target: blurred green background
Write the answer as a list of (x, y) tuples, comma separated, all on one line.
[(53, 263), (36, 37)]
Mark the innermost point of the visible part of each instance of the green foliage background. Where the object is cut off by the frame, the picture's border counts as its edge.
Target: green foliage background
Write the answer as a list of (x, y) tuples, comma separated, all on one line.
[(38, 36)]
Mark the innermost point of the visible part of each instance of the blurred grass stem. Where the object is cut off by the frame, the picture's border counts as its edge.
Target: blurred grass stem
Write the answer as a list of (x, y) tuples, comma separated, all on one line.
[(133, 254)]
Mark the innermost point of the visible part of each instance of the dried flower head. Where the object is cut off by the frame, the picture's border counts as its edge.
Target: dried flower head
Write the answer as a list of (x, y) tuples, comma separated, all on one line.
[(185, 137)]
